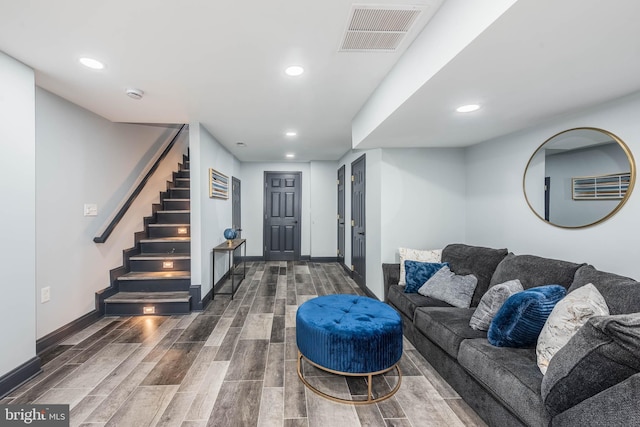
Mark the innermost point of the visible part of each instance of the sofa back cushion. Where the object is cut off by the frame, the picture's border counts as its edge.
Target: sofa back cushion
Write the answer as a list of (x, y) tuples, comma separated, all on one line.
[(622, 294), (476, 260), (533, 271)]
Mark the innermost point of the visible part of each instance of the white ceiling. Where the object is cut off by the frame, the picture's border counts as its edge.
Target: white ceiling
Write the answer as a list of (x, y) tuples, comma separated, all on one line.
[(221, 63)]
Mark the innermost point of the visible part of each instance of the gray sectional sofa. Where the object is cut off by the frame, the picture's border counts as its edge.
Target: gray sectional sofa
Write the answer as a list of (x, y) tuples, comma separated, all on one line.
[(504, 385)]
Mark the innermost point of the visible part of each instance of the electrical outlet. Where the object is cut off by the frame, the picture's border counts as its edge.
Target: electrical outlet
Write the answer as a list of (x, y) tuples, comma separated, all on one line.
[(45, 294), (90, 209)]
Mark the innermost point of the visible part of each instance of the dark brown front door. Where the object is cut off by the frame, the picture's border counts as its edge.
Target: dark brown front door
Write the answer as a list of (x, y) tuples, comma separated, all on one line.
[(282, 205)]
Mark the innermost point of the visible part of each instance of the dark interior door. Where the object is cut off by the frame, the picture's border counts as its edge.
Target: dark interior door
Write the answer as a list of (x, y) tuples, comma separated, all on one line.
[(358, 221), (341, 218), (547, 192), (282, 203), (236, 217)]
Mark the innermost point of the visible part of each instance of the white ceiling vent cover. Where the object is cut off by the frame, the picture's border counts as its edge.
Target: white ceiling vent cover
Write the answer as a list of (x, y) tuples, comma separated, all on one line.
[(378, 28)]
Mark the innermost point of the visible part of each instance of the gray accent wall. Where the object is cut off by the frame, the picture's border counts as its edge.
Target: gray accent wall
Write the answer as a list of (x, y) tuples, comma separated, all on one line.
[(498, 216), (84, 158), (18, 214)]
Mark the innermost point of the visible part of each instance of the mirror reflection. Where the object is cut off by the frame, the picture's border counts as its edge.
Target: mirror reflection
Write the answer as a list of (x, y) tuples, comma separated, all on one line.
[(579, 177)]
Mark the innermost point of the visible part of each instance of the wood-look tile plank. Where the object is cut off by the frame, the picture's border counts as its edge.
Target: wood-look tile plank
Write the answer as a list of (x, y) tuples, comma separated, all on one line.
[(80, 336), (295, 404), (279, 307), (121, 372), (422, 403), (193, 380), (241, 316), (263, 304), (291, 347), (290, 316), (323, 412), (369, 416), (186, 320), (106, 360), (257, 327), (175, 412), (443, 388), (53, 352), (228, 344), (63, 396), (115, 399), (219, 332), (274, 374), (271, 407), (83, 409), (141, 330), (45, 385), (400, 422), (163, 345), (199, 329), (173, 366), (206, 397), (467, 415), (144, 407), (226, 411), (248, 361), (296, 422), (277, 329)]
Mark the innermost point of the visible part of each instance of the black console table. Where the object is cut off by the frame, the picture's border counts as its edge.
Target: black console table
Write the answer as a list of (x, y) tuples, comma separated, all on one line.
[(229, 249)]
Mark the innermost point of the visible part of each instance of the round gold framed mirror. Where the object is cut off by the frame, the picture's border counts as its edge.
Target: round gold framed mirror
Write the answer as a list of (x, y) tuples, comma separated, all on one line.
[(579, 177)]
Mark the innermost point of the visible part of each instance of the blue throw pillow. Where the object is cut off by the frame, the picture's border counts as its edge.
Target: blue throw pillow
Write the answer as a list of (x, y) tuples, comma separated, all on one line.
[(417, 273), (522, 316)]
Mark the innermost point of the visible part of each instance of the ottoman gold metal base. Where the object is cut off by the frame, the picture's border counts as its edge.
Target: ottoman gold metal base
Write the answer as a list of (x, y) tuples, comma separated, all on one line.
[(368, 376)]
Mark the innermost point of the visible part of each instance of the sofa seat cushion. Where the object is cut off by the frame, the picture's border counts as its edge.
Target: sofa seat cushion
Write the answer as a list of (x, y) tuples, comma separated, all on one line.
[(622, 294), (447, 327), (510, 374), (533, 271), (407, 303), (476, 260)]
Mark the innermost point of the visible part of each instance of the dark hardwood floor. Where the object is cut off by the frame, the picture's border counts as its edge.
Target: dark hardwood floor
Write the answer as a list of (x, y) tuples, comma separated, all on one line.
[(232, 365)]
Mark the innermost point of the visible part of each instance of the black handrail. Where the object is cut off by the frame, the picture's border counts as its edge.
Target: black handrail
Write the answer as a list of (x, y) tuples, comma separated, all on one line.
[(116, 219)]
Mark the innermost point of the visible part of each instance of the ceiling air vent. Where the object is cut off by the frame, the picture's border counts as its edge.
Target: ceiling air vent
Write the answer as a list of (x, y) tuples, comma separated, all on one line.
[(378, 28)]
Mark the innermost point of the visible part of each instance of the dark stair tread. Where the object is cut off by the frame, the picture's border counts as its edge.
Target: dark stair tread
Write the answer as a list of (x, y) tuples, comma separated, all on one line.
[(169, 225), (156, 275), (155, 256), (148, 297), (165, 239)]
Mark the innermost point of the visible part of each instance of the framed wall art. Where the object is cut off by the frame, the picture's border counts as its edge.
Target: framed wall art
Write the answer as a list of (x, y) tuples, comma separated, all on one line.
[(218, 185)]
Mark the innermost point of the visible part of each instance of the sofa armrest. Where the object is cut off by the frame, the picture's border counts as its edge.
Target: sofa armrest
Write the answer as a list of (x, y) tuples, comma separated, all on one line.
[(390, 276), (615, 406)]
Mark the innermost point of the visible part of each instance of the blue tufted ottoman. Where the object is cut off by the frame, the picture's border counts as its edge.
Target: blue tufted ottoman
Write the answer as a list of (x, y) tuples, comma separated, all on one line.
[(349, 335)]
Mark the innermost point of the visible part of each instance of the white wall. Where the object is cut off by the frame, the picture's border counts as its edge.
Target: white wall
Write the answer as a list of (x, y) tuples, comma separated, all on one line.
[(498, 215), (252, 175), (84, 158), (423, 199), (17, 214), (209, 217), (324, 209)]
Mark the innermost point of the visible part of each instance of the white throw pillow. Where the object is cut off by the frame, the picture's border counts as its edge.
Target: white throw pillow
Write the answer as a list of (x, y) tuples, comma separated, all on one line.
[(567, 317), (433, 255)]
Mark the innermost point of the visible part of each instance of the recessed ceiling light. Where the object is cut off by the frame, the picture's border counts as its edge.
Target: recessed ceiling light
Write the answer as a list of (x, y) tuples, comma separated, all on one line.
[(291, 133), (290, 156), (94, 64), (467, 108), (241, 144), (294, 70)]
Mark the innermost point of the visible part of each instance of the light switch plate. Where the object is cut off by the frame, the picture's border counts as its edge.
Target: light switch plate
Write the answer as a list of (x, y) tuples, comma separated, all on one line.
[(90, 209)]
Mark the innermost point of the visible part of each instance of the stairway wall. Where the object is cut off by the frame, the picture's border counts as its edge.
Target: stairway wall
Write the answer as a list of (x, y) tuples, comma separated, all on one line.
[(84, 158), (209, 217), (17, 254)]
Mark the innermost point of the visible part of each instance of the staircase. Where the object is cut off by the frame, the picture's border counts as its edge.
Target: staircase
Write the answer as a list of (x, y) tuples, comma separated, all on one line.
[(156, 274)]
